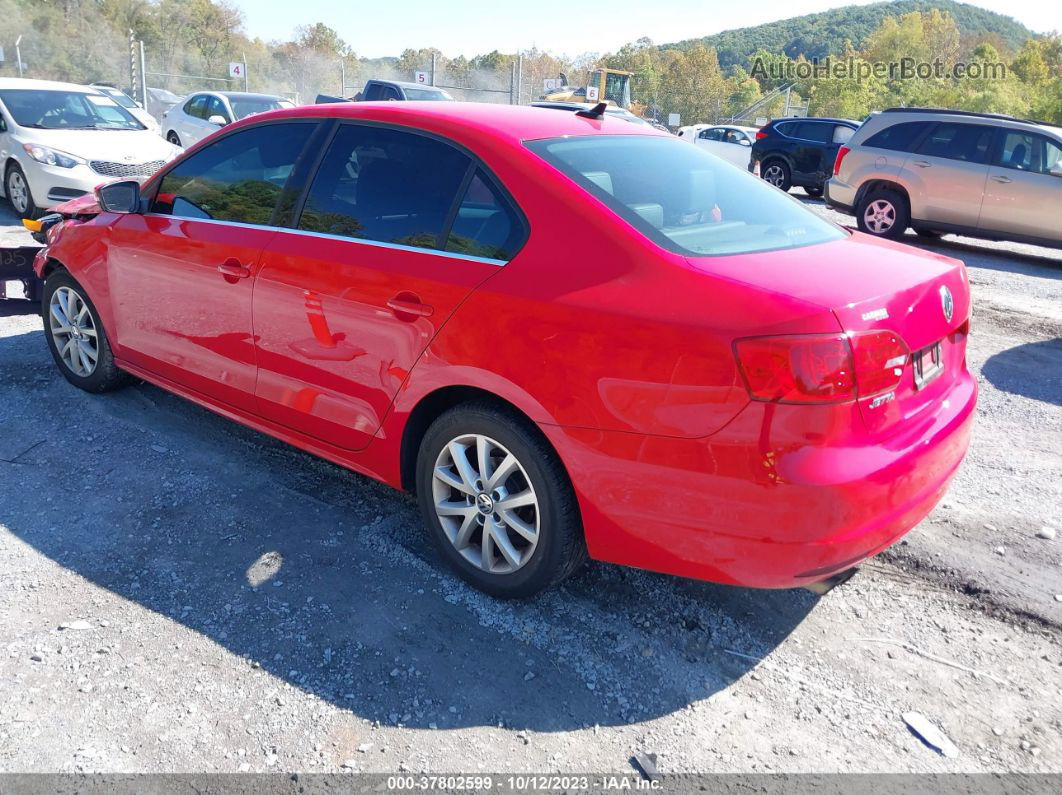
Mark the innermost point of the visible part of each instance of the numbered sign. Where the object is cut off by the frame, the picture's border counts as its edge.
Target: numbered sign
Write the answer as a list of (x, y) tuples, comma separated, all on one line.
[(591, 93), (551, 84), (236, 70), (424, 78)]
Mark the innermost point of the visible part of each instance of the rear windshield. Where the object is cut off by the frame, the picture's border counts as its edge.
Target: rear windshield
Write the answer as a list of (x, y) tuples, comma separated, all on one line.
[(683, 198)]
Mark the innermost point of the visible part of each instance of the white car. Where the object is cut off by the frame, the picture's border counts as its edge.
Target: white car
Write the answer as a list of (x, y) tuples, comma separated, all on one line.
[(198, 115), (60, 140), (130, 105), (733, 144)]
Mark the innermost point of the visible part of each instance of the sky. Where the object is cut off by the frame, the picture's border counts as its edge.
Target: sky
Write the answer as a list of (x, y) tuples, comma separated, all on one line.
[(570, 27)]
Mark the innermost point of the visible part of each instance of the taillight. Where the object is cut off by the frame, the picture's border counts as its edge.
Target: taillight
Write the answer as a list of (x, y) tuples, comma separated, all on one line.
[(844, 150), (760, 135), (821, 368)]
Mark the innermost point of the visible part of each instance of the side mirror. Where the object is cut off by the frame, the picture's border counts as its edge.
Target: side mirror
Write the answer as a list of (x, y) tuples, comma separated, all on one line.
[(745, 142), (119, 197), (218, 119), (1056, 169)]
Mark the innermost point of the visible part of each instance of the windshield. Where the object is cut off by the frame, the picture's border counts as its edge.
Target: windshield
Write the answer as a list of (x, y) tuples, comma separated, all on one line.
[(66, 110), (118, 96), (683, 198), (428, 94), (249, 107)]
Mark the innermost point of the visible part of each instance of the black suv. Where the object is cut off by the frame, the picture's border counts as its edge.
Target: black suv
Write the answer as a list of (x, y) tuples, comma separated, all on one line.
[(800, 151)]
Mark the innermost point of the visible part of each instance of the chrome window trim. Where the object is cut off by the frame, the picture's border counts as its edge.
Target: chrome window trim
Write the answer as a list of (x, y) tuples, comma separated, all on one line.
[(376, 243)]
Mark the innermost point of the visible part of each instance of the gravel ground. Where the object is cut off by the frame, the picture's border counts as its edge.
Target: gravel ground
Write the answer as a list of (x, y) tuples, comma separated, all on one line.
[(178, 593)]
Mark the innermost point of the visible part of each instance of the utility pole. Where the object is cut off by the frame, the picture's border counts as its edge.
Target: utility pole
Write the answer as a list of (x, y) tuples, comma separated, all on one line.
[(512, 85), (243, 55), (18, 54), (433, 67), (519, 77), (132, 61), (143, 77), (342, 77)]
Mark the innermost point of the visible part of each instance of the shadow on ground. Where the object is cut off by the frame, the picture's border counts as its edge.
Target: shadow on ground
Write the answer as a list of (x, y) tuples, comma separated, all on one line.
[(1033, 370), (323, 578)]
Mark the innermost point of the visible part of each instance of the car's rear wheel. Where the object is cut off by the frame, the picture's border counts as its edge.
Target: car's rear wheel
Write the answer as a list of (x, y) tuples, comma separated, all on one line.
[(16, 187), (776, 172), (173, 138), (883, 213), (76, 336), (498, 502)]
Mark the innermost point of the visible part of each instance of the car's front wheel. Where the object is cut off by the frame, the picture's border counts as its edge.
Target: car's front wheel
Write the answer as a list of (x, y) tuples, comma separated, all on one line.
[(498, 502), (173, 138), (17, 190), (883, 213), (76, 336)]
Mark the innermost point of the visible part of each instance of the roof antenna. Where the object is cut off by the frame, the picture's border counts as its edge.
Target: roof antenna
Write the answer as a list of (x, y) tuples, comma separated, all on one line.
[(595, 112)]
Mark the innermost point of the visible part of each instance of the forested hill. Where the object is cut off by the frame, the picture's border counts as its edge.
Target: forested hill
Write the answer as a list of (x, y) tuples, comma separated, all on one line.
[(816, 35)]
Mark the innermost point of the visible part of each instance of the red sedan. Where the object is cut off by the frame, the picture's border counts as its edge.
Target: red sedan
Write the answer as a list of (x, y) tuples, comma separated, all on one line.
[(570, 335)]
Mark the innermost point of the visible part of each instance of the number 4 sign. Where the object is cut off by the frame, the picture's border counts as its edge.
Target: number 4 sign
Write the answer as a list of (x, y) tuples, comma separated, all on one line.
[(235, 70)]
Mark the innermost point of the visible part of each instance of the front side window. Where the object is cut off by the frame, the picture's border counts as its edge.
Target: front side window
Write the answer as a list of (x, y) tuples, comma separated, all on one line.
[(485, 224), (711, 135), (385, 185), (899, 137), (237, 178), (67, 110), (1028, 152), (215, 107), (682, 198), (954, 141)]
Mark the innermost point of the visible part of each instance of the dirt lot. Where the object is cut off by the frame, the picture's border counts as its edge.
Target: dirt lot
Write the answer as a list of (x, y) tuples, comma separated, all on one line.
[(180, 594)]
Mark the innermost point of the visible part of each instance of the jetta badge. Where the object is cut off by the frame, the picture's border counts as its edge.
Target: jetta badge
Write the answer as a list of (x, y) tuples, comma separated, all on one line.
[(947, 303)]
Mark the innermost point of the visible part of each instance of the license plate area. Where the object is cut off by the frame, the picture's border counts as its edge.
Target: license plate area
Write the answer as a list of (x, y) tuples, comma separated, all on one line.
[(928, 365)]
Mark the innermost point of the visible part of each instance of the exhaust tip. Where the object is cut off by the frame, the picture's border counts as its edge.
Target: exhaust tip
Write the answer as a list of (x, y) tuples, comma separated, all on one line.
[(823, 587)]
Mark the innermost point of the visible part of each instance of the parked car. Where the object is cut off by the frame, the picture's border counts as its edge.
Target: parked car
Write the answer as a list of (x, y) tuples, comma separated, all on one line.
[(159, 100), (800, 152), (714, 383), (613, 111), (200, 114), (60, 140), (732, 143), (976, 174), (129, 104), (689, 132), (397, 90)]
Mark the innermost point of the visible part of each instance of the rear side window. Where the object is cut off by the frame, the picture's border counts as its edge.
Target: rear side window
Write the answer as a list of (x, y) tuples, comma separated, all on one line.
[(681, 197), (899, 137), (967, 142), (196, 107), (1028, 152), (237, 178), (485, 224), (785, 128), (385, 185), (813, 131)]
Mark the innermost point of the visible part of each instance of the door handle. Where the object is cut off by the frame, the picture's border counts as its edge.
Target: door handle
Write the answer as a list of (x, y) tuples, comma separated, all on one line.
[(234, 268), (1002, 179), (922, 163), (408, 304)]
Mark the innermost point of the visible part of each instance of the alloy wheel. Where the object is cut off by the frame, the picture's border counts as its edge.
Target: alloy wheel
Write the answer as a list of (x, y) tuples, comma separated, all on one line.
[(774, 175), (880, 216), (486, 504), (18, 191), (73, 331)]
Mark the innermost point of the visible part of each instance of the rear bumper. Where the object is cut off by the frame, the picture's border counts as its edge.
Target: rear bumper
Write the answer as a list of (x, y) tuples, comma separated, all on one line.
[(765, 502), (839, 196)]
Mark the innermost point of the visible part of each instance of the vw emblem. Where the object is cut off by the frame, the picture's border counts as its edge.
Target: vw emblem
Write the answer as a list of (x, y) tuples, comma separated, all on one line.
[(947, 303), (485, 503)]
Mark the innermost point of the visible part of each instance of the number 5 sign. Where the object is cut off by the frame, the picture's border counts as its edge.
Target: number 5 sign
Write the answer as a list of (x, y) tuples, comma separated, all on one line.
[(422, 77), (235, 70)]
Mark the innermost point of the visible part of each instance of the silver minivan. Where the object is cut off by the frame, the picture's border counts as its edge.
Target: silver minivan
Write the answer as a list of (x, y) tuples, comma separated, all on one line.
[(938, 171)]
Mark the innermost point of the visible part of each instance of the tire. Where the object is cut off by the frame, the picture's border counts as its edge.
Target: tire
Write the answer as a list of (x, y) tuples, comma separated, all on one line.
[(16, 188), (930, 234), (815, 192), (536, 560), (883, 213), (174, 138), (777, 173), (99, 375)]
